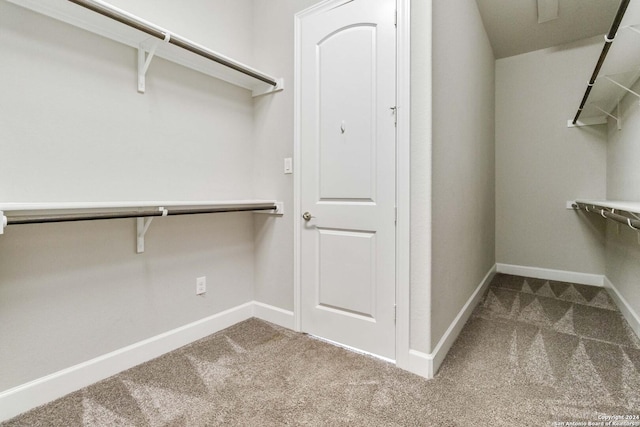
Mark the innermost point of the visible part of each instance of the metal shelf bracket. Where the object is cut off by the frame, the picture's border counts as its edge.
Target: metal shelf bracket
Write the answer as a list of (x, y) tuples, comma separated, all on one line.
[(142, 226)]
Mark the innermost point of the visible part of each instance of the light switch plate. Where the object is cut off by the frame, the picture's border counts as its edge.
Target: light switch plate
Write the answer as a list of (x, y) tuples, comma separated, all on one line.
[(288, 165), (201, 285)]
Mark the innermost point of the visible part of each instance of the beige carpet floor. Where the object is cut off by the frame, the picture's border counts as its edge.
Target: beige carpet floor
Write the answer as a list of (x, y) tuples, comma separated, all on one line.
[(534, 353)]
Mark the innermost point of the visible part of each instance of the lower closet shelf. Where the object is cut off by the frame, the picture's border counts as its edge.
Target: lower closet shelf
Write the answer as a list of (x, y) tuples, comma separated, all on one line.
[(39, 213), (624, 212)]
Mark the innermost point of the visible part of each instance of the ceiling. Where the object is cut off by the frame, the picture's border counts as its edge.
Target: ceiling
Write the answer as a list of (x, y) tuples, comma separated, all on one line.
[(512, 25)]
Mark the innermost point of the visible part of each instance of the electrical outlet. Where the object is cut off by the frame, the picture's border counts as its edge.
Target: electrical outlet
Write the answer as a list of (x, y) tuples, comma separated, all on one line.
[(201, 285)]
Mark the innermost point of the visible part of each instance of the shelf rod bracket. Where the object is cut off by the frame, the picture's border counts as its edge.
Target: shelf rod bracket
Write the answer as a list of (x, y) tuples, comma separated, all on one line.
[(618, 119), (142, 226), (144, 60), (3, 222)]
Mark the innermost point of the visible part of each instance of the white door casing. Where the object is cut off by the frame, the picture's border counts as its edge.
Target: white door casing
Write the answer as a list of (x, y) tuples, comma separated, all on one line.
[(348, 169)]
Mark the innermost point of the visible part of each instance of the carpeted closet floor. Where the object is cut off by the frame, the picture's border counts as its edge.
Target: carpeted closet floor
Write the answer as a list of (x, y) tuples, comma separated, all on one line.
[(534, 353)]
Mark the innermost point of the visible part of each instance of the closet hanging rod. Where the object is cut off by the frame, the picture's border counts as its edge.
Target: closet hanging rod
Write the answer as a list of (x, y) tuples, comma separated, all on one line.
[(110, 12), (631, 222), (43, 219), (608, 40)]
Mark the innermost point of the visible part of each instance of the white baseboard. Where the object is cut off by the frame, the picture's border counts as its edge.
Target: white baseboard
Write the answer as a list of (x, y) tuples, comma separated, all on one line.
[(427, 364), (449, 337), (46, 389), (550, 274), (420, 364), (275, 315), (629, 313)]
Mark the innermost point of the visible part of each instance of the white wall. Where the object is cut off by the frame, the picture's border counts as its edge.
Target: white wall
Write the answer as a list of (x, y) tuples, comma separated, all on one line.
[(463, 221), (225, 26), (273, 136), (421, 147), (623, 183), (73, 128), (541, 164)]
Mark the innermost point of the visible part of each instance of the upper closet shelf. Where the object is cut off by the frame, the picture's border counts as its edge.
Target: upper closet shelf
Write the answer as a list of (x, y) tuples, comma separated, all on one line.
[(111, 22), (614, 77)]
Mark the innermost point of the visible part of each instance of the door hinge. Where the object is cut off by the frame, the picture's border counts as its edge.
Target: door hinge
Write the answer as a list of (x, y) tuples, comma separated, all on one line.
[(395, 215), (394, 109), (395, 313), (395, 19)]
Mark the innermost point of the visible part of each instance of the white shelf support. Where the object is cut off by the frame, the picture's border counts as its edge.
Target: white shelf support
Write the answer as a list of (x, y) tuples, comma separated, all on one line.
[(617, 118), (3, 222), (622, 86), (141, 229), (142, 226), (144, 60)]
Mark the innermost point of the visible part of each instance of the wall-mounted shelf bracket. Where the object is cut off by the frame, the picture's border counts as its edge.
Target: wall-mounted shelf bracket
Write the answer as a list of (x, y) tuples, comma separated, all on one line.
[(142, 225), (146, 51), (3, 222), (617, 118)]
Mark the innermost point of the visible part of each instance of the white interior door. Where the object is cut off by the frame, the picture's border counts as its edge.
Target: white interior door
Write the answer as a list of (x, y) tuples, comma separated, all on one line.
[(347, 152)]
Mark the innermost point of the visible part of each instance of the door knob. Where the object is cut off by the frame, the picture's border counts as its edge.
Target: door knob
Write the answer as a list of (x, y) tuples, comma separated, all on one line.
[(307, 216)]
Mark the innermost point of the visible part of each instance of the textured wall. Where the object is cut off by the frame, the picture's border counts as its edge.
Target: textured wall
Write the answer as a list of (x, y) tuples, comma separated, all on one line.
[(623, 183), (541, 163), (273, 135), (421, 147), (463, 160)]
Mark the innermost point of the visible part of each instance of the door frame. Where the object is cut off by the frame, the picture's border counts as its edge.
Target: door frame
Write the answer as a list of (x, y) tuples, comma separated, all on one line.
[(403, 195)]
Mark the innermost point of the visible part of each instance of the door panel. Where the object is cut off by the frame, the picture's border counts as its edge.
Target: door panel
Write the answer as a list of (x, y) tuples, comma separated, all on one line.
[(351, 289), (348, 175), (347, 157)]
